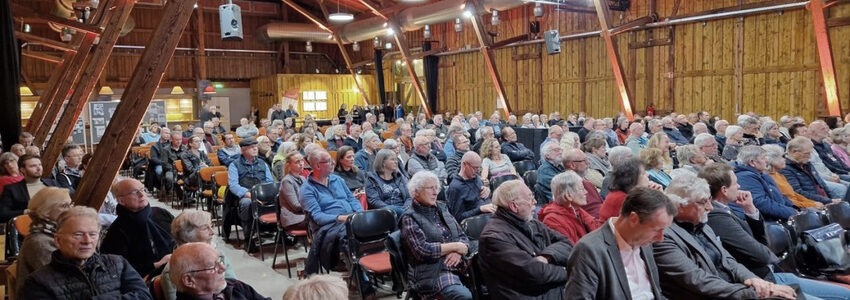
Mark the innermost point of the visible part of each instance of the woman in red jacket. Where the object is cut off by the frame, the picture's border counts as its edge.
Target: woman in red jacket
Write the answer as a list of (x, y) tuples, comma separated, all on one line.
[(564, 214)]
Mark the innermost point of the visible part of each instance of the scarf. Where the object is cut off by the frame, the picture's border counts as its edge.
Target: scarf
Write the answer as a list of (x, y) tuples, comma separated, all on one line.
[(598, 163), (43, 226)]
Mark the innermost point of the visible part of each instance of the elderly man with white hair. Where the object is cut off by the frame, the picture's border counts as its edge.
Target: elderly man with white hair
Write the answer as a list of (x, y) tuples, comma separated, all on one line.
[(197, 271), (551, 165), (519, 256), (423, 159), (247, 129)]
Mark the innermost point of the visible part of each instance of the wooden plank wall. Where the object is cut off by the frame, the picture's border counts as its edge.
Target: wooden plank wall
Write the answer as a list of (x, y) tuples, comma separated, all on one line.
[(267, 91), (695, 71)]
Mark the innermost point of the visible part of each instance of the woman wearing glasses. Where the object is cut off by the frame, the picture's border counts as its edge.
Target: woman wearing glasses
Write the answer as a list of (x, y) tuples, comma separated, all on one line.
[(44, 209), (192, 226)]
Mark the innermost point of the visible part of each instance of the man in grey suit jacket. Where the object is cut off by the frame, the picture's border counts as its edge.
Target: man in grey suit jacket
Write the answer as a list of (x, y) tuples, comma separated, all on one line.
[(602, 258), (692, 262)]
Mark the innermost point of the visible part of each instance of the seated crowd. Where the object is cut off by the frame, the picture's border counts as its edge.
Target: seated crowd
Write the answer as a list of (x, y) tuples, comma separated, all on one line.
[(660, 207)]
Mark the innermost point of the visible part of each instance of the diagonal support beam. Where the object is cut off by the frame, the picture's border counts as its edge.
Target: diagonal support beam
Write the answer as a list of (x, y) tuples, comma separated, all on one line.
[(373, 9), (116, 18), (23, 11), (351, 70), (307, 15), (486, 42), (53, 100), (827, 67), (401, 41), (45, 42), (604, 14), (42, 56), (141, 87)]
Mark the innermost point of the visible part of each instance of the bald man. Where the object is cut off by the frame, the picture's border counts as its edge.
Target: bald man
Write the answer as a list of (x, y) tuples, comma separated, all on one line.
[(466, 195), (197, 272)]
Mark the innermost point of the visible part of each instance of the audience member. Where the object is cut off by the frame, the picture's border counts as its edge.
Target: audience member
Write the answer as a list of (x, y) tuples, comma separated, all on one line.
[(617, 261), (318, 287), (423, 159), (552, 165), (515, 151), (461, 145), (353, 139), (77, 271), (69, 176), (243, 173), (291, 212), (386, 187), (16, 196), (598, 164), (345, 168), (800, 173), (625, 176), (9, 171), (565, 214), (246, 129), (44, 210), (198, 272), (494, 163), (751, 172), (366, 156), (776, 161), (467, 196), (575, 160)]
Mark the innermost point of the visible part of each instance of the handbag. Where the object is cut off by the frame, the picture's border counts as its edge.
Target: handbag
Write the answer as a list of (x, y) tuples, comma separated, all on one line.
[(824, 250)]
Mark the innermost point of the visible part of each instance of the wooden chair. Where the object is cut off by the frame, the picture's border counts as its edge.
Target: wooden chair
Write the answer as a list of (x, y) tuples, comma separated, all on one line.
[(206, 185), (324, 143), (214, 160), (22, 224), (389, 134), (333, 154)]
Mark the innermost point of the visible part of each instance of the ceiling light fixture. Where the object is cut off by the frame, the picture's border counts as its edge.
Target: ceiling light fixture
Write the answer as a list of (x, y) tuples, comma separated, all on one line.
[(106, 90), (427, 32), (538, 10), (340, 16), (458, 25), (355, 46), (26, 91), (494, 20), (208, 90), (376, 42), (309, 47), (177, 90)]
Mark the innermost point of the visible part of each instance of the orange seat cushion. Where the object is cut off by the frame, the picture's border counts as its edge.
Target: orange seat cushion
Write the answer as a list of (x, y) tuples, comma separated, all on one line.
[(268, 218), (378, 263), (297, 232)]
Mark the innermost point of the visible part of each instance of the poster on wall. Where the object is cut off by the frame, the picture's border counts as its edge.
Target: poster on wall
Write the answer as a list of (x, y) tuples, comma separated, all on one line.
[(100, 113), (289, 97), (156, 113), (79, 133)]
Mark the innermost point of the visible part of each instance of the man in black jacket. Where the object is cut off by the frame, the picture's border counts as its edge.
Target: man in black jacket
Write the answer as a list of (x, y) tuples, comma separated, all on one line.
[(69, 176), (197, 272), (16, 196), (516, 151), (519, 256), (77, 271), (466, 196)]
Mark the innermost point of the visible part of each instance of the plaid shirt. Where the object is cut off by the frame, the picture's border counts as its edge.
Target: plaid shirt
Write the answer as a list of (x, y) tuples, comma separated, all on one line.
[(421, 251)]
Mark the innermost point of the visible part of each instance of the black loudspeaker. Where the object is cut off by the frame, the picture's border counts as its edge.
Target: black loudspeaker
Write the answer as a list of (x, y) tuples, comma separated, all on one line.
[(552, 40), (230, 19), (534, 27)]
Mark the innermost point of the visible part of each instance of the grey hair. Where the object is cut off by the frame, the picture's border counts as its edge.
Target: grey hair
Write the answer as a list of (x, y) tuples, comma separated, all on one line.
[(619, 154), (484, 130), (773, 152), (368, 136), (688, 186), (732, 130), (765, 127), (390, 143), (380, 158), (507, 192), (418, 180), (687, 152), (184, 226), (318, 287), (286, 147), (549, 148), (745, 120), (702, 138), (566, 183), (749, 153), (798, 143), (720, 123)]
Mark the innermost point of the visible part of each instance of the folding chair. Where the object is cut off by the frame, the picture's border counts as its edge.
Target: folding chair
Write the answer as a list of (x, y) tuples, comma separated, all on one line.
[(264, 198), (525, 166), (399, 265), (495, 182), (281, 234), (839, 213), (367, 233), (206, 185)]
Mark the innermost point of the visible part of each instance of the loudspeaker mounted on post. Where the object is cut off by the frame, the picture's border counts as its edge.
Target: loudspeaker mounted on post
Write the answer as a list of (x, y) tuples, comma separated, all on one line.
[(552, 40), (230, 18)]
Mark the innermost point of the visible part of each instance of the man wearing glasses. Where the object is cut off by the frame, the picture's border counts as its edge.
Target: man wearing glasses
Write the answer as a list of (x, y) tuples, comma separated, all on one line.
[(466, 195), (197, 271), (243, 173), (135, 234), (576, 161), (77, 271)]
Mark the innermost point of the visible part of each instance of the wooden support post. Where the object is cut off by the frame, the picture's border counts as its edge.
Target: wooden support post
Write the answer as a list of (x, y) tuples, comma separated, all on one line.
[(201, 35), (401, 41), (42, 56), (827, 68), (116, 17), (486, 43), (604, 14), (58, 93), (351, 70), (738, 61), (373, 9), (141, 87)]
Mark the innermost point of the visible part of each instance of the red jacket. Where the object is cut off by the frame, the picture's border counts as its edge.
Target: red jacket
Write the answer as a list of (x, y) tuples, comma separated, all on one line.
[(573, 224), (612, 205)]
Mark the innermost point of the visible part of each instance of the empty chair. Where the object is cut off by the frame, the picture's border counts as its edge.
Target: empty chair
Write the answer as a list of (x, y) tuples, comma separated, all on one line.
[(839, 213), (265, 200), (367, 232), (524, 166), (473, 227), (807, 219), (530, 178), (497, 181)]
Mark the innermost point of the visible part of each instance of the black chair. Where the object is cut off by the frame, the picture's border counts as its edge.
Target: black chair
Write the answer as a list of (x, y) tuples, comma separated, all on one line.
[(284, 233), (495, 182), (475, 225), (781, 242), (839, 213), (530, 178), (264, 198), (367, 233), (805, 220), (479, 288), (525, 166), (399, 265), (13, 241)]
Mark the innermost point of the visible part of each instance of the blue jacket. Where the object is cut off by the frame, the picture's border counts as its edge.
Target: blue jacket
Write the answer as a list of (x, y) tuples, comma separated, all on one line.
[(364, 161), (805, 180), (545, 173), (675, 136), (766, 195), (325, 203), (828, 157)]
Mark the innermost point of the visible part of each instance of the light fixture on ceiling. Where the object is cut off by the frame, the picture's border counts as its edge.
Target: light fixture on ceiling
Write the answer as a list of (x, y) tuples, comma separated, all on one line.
[(177, 90), (27, 28), (388, 46), (494, 20), (390, 31), (309, 47), (209, 90), (66, 35), (339, 16), (458, 25), (355, 46), (538, 10), (376, 42), (467, 13), (26, 91), (106, 90), (427, 32)]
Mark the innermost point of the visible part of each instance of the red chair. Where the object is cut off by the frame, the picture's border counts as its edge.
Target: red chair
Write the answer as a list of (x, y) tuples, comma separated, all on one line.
[(364, 201)]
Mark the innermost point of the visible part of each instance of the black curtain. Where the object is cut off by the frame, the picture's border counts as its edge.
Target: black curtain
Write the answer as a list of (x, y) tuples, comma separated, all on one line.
[(379, 73), (10, 72), (431, 66)]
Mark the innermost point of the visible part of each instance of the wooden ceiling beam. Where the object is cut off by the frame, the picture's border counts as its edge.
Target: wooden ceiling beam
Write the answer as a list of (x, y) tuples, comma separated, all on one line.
[(45, 42), (486, 47), (827, 66), (115, 19), (308, 15), (42, 56), (604, 14), (23, 11), (141, 88), (401, 42)]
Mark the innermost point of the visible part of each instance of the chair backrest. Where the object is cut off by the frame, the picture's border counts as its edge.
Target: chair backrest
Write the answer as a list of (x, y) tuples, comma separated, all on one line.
[(839, 213), (479, 290), (807, 219), (206, 173), (214, 160), (324, 143), (778, 238), (333, 154), (525, 165), (475, 225), (220, 178), (367, 230), (265, 194), (156, 288), (495, 182), (530, 178), (13, 241), (178, 165), (395, 247), (22, 224)]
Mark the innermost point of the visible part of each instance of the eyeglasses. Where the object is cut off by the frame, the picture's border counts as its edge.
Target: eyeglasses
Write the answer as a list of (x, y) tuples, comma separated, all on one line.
[(475, 168), (578, 161), (327, 162), (218, 266), (67, 205), (79, 235), (139, 191)]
